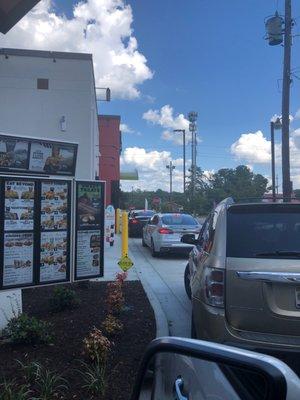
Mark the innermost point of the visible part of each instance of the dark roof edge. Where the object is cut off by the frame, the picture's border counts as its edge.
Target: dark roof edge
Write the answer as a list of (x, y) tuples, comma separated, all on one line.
[(46, 54), (109, 116)]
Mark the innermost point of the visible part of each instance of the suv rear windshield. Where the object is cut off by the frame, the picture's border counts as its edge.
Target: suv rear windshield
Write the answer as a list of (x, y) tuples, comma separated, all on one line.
[(143, 213), (271, 231), (178, 219)]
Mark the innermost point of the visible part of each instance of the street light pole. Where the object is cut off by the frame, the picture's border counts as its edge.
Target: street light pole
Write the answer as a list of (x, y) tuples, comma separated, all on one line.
[(184, 173), (171, 167), (286, 179)]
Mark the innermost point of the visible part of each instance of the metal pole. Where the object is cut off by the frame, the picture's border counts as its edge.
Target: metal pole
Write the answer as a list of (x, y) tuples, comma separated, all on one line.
[(273, 162), (286, 179), (171, 169)]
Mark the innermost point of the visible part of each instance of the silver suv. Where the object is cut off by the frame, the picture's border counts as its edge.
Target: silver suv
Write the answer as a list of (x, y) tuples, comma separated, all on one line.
[(243, 276)]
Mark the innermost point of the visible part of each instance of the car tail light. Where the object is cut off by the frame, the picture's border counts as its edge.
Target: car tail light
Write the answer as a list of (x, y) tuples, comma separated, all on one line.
[(165, 231), (214, 285), (134, 221)]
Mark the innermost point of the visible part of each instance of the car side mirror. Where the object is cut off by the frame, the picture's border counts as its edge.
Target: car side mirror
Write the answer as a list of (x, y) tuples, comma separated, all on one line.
[(189, 239), (177, 368)]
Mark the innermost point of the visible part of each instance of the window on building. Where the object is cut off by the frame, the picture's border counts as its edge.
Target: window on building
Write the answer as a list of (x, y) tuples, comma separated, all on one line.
[(43, 83)]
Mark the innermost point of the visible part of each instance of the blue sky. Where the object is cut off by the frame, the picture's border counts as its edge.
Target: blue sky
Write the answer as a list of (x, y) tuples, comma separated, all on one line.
[(209, 56), (205, 55)]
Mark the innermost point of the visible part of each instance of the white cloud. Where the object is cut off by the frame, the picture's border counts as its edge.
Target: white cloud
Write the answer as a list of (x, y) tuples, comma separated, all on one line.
[(151, 166), (165, 118), (252, 147), (100, 27), (124, 128)]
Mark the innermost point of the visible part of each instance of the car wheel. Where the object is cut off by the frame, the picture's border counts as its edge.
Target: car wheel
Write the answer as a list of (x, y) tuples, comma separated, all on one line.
[(154, 253), (193, 329), (187, 281), (143, 242)]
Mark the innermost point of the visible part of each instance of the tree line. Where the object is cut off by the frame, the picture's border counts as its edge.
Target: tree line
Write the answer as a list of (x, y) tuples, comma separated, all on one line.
[(240, 183)]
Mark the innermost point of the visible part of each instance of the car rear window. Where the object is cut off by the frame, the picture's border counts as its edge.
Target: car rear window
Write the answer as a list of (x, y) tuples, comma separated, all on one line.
[(178, 219), (263, 231), (143, 213)]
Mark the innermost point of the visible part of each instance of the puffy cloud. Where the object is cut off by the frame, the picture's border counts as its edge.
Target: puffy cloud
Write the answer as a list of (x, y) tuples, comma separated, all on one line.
[(100, 27), (165, 118), (151, 165), (252, 147), (124, 128)]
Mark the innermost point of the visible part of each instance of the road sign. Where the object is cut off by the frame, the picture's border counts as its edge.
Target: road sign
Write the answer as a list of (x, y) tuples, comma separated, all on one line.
[(125, 263), (110, 224)]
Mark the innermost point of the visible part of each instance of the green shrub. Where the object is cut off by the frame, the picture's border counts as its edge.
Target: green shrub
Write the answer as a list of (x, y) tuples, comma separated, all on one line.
[(30, 371), (64, 299), (23, 329), (49, 385), (94, 377), (9, 390)]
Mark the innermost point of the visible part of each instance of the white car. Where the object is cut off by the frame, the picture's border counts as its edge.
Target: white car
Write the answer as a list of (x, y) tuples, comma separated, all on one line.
[(163, 233)]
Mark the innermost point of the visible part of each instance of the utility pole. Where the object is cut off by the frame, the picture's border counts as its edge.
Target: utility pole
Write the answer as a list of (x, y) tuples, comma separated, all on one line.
[(286, 179), (192, 116), (184, 173), (171, 167)]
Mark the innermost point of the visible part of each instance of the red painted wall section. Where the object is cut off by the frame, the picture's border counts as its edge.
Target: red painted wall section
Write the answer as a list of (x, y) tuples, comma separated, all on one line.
[(110, 148)]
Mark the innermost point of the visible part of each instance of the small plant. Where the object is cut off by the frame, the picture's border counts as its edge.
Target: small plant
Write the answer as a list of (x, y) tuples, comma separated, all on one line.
[(97, 346), (64, 299), (9, 390), (49, 384), (115, 298), (111, 325), (22, 329), (94, 377), (30, 371)]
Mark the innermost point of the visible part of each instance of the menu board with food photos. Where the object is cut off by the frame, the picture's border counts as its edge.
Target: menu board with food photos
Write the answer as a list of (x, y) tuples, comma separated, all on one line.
[(54, 205), (18, 259), (35, 231), (19, 205), (37, 156), (89, 229), (53, 259)]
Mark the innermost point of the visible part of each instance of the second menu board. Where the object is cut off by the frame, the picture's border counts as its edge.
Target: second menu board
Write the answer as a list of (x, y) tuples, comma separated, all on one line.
[(89, 229), (55, 226)]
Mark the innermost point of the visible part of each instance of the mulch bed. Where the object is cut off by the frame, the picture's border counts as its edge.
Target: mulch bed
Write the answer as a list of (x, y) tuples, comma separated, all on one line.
[(72, 326)]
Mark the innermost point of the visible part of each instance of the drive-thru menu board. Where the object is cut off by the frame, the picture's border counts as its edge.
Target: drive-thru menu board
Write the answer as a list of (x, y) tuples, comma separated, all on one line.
[(35, 231), (89, 229)]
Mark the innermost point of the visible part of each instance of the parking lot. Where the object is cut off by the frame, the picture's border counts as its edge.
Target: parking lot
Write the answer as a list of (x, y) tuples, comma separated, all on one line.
[(165, 276)]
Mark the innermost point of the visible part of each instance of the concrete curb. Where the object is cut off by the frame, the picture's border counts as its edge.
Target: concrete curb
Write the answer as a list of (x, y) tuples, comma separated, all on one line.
[(162, 327)]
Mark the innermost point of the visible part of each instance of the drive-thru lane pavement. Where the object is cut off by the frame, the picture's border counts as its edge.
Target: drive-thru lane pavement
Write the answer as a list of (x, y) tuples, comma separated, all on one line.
[(165, 277)]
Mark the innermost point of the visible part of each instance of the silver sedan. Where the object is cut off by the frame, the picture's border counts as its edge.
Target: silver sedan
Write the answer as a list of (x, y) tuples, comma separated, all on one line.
[(163, 233)]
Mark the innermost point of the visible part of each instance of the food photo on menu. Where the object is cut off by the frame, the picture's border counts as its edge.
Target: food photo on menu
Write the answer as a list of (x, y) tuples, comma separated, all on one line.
[(52, 158), (18, 259), (13, 153), (89, 205), (54, 205), (53, 256), (19, 205)]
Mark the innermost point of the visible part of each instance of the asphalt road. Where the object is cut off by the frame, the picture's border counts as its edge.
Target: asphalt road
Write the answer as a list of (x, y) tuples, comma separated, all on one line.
[(165, 276)]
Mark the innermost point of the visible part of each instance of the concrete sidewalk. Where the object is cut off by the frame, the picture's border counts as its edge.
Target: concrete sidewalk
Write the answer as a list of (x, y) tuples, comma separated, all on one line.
[(112, 255)]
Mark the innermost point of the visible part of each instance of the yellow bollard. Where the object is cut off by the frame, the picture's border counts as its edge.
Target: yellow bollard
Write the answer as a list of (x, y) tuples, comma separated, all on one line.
[(124, 233), (118, 211)]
